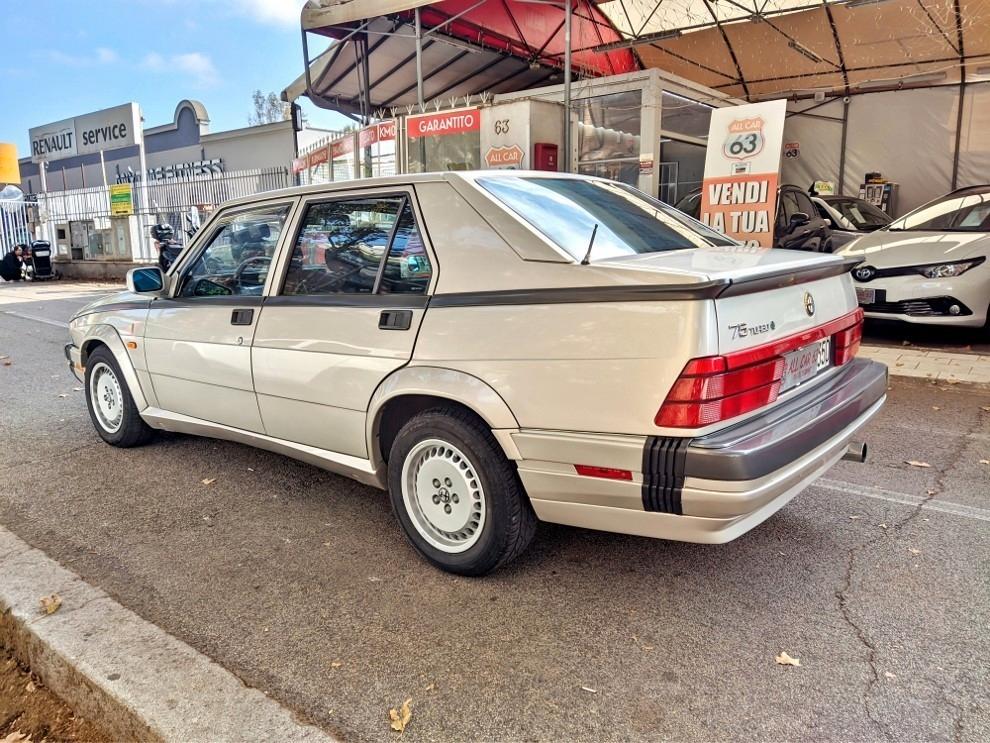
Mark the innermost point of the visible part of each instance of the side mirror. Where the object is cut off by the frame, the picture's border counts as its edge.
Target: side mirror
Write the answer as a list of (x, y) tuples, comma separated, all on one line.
[(145, 280), (799, 218)]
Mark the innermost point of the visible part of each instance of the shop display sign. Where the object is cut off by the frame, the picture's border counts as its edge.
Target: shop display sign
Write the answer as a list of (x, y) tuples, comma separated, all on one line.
[(298, 164), (318, 157), (121, 200), (109, 129), (505, 156), (742, 169), (443, 124), (342, 147), (383, 131)]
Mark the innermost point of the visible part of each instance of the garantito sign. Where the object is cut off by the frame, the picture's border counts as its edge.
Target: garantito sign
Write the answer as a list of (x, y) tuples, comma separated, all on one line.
[(109, 129), (439, 125), (742, 164)]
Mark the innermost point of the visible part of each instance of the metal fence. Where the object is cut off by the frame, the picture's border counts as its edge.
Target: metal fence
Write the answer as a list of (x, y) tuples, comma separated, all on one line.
[(181, 202), (15, 225)]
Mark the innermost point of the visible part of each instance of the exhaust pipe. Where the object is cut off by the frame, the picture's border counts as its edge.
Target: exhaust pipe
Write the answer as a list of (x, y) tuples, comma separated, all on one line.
[(856, 452)]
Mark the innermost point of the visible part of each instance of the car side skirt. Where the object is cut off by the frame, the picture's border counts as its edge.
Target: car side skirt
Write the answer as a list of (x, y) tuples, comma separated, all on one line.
[(357, 468)]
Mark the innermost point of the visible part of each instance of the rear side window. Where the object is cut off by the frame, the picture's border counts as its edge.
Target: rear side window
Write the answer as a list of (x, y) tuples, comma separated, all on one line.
[(359, 246), (566, 210), (966, 212)]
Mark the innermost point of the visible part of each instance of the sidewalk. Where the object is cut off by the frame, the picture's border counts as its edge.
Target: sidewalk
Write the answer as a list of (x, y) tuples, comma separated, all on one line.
[(908, 361)]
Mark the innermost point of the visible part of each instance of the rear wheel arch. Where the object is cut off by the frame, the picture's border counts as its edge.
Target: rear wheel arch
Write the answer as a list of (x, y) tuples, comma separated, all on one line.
[(413, 390)]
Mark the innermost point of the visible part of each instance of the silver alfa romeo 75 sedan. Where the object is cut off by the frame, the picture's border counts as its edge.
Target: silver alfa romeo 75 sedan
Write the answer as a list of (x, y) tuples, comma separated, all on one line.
[(496, 349)]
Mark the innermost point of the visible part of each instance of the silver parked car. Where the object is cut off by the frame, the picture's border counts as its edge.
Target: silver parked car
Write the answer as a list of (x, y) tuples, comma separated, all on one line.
[(496, 348)]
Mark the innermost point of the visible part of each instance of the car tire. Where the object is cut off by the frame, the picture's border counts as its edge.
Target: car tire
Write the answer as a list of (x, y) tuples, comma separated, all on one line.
[(458, 498), (111, 407)]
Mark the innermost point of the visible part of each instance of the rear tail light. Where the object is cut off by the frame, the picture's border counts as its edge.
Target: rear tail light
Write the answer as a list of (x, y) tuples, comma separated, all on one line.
[(715, 388), (846, 342)]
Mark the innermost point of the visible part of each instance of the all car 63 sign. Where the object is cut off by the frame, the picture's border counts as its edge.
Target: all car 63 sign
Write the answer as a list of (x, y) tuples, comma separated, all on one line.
[(742, 164)]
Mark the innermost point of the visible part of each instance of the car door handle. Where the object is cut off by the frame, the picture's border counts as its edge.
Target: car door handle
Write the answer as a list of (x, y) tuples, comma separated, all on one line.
[(241, 317), (395, 320)]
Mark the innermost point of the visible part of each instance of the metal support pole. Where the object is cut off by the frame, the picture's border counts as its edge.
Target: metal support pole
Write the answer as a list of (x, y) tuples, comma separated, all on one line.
[(144, 245), (567, 86), (959, 125), (842, 146), (419, 62), (103, 168)]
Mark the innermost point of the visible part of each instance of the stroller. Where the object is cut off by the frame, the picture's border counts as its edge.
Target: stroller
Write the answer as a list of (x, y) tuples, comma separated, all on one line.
[(41, 268)]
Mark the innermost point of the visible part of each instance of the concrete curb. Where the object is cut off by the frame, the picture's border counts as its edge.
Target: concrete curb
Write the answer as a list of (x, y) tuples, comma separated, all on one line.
[(123, 672), (933, 364)]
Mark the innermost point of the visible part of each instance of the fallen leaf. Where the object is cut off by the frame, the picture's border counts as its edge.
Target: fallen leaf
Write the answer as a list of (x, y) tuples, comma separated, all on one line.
[(8, 362), (589, 690), (50, 604), (327, 544), (785, 660), (431, 686), (209, 480), (985, 461), (77, 389), (15, 737), (882, 526), (375, 579), (985, 408), (401, 717), (63, 395), (855, 517), (889, 675), (930, 492), (936, 407), (336, 664), (914, 463), (913, 551), (953, 381), (648, 648), (30, 687)]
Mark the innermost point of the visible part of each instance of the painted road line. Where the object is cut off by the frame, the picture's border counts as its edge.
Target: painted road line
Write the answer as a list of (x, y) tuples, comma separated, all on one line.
[(907, 499), (25, 316)]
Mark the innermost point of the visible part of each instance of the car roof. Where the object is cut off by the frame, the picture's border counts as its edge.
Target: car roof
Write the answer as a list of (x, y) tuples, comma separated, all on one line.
[(404, 179)]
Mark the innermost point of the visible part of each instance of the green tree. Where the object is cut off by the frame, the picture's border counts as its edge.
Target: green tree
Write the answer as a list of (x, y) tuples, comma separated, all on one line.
[(268, 109)]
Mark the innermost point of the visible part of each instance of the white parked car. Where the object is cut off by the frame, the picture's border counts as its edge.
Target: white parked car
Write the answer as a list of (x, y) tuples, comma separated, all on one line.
[(496, 348), (929, 266)]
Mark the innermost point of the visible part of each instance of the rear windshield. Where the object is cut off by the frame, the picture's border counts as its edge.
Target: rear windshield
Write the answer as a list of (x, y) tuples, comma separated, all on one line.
[(965, 212), (566, 210)]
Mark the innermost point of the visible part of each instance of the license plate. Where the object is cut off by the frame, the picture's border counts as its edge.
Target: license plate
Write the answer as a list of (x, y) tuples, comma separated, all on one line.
[(866, 296), (804, 363)]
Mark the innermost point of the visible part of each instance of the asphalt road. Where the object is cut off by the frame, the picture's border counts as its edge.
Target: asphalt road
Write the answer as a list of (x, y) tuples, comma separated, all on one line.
[(301, 583)]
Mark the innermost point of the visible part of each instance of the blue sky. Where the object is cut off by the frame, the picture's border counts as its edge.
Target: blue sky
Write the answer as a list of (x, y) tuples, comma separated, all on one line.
[(61, 58)]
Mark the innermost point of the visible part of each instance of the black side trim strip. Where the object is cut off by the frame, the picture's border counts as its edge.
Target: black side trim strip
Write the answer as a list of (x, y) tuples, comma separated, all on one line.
[(116, 307), (663, 473), (789, 277), (403, 301), (224, 300), (583, 294)]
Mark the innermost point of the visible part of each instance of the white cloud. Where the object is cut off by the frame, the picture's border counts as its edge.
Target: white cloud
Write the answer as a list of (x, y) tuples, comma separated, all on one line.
[(282, 12), (196, 65), (199, 66), (153, 61), (102, 55)]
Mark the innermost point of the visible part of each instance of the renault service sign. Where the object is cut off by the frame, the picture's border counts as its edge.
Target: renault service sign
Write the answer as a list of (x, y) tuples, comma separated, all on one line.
[(109, 129)]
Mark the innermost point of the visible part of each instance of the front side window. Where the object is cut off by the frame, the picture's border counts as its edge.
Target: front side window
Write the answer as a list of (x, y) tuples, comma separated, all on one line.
[(566, 210), (359, 246), (238, 257), (967, 212)]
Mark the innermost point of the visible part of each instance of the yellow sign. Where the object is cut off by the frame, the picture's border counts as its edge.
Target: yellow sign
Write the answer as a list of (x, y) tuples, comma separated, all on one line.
[(10, 172), (121, 201)]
